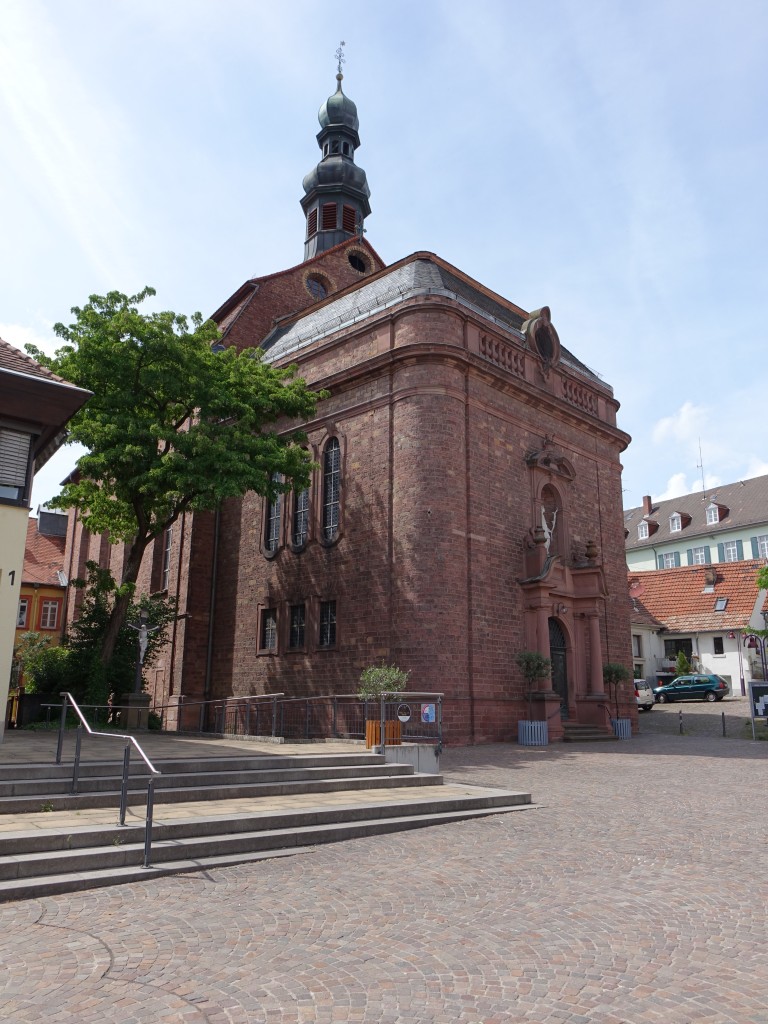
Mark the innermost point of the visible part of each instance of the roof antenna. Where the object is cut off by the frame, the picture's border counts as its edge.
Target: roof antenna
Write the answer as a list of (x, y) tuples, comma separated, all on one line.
[(700, 465)]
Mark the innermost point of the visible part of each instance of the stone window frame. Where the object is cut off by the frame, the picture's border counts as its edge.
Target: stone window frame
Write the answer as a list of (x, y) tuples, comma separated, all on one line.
[(21, 620), (263, 611), (299, 648), (321, 604), (330, 432)]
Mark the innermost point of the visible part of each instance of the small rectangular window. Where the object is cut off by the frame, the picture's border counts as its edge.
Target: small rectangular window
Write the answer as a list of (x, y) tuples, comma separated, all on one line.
[(675, 523), (717, 642), (327, 624), (637, 646), (713, 515), (49, 614), (298, 622), (669, 560), (721, 603), (268, 631), (698, 556), (21, 618), (762, 546), (329, 216), (642, 531)]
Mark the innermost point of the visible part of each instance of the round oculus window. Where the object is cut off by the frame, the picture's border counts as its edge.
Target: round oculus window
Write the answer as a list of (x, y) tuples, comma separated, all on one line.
[(317, 287), (358, 263)]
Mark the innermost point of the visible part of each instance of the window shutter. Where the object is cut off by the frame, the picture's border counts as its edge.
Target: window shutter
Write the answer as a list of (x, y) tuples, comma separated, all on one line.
[(755, 548), (348, 219), (329, 216), (689, 556), (14, 458), (720, 553), (739, 550), (707, 556), (312, 223), (661, 561), (677, 559)]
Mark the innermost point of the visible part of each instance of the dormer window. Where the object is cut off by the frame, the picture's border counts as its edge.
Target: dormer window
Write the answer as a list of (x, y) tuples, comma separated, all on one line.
[(675, 523), (713, 515), (642, 531)]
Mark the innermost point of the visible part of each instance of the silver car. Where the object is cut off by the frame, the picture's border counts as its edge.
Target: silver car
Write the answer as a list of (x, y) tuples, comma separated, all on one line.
[(644, 695)]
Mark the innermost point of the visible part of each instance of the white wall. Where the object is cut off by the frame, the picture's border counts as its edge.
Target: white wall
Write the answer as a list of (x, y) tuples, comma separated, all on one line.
[(13, 536)]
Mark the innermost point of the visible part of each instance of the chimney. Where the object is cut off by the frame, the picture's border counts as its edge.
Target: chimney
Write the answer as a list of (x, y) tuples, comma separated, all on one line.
[(647, 506)]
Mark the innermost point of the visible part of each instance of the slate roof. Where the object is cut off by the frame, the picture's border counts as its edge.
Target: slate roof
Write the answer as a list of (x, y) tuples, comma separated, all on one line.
[(43, 557), (419, 274), (746, 501), (681, 600)]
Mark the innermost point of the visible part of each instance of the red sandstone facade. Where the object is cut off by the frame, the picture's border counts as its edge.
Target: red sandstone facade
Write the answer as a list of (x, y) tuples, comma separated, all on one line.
[(479, 508)]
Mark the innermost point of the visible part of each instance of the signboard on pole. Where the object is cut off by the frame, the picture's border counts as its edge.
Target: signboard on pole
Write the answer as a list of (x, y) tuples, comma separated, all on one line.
[(758, 702)]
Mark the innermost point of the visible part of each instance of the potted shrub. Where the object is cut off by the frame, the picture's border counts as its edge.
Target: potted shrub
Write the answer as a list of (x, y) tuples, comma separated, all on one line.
[(613, 676), (380, 683), (535, 668)]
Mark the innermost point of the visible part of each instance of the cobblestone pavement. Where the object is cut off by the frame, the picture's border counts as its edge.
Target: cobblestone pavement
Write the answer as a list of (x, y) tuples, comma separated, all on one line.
[(634, 892)]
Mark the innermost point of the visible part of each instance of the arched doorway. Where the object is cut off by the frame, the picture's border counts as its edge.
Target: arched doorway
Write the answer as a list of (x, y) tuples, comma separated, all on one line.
[(559, 665)]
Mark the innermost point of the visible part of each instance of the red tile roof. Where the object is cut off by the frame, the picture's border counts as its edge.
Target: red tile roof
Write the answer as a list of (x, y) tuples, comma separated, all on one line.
[(14, 359), (43, 556), (684, 601)]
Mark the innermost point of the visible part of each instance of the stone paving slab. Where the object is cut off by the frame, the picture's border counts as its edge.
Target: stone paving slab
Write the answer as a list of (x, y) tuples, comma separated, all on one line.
[(634, 895)]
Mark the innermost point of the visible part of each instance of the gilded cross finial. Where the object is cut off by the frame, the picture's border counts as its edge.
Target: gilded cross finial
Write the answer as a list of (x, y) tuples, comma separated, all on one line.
[(340, 55)]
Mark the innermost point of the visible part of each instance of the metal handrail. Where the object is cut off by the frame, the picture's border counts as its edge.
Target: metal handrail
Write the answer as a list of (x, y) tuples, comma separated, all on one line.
[(83, 724), (202, 704)]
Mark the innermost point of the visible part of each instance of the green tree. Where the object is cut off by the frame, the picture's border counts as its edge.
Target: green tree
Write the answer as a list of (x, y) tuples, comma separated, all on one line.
[(535, 668), (762, 578), (614, 675), (172, 426)]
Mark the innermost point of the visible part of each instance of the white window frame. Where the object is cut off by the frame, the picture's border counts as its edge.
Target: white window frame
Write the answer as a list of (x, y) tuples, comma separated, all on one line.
[(713, 515), (762, 546), (46, 607), (730, 551), (699, 556), (642, 531), (669, 559), (23, 613), (675, 523)]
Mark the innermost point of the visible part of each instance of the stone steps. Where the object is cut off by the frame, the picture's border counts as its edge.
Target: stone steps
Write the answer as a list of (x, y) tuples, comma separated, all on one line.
[(574, 732), (323, 805)]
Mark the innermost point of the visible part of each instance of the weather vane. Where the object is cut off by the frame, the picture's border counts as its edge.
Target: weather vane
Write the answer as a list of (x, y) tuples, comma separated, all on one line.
[(340, 55)]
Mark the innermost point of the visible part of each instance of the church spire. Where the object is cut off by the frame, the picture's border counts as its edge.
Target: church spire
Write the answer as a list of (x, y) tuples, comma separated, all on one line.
[(336, 192)]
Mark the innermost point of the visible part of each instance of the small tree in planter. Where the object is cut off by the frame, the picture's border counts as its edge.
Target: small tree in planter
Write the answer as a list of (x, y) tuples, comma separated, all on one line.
[(377, 683), (535, 667), (614, 675), (682, 665)]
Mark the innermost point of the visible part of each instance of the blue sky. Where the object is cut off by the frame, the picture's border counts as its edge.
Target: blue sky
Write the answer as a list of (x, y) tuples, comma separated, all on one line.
[(602, 157)]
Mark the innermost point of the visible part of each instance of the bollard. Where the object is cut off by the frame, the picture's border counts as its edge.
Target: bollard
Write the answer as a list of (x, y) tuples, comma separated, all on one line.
[(680, 716), (76, 766), (723, 715), (124, 787), (148, 826)]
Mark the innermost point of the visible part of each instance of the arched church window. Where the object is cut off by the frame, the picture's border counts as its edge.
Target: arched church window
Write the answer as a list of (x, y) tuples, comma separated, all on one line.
[(331, 488), (272, 520), (300, 517)]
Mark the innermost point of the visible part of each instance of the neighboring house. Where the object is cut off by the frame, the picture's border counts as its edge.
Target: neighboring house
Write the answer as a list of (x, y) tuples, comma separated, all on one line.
[(722, 524), (465, 506), (44, 583), (705, 611), (35, 405)]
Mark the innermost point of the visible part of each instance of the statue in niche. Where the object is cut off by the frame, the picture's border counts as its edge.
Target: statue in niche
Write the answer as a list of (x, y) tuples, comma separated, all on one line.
[(548, 528)]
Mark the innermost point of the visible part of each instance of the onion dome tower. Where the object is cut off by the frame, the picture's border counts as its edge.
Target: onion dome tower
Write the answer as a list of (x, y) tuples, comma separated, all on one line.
[(336, 192)]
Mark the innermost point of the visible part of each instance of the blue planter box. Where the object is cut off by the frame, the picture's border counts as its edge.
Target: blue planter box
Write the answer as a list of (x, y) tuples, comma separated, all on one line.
[(532, 734), (622, 727)]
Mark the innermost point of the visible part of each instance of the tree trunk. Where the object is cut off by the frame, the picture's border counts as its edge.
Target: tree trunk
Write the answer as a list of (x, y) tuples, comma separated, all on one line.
[(131, 567)]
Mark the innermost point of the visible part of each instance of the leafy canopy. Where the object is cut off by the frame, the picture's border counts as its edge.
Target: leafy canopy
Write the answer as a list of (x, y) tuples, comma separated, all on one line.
[(172, 426)]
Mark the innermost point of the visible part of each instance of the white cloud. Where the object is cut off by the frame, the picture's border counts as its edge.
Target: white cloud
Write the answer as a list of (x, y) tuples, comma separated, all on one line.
[(683, 426), (20, 335)]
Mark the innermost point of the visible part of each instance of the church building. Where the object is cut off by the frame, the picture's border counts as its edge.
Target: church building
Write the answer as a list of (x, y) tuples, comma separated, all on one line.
[(466, 503)]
